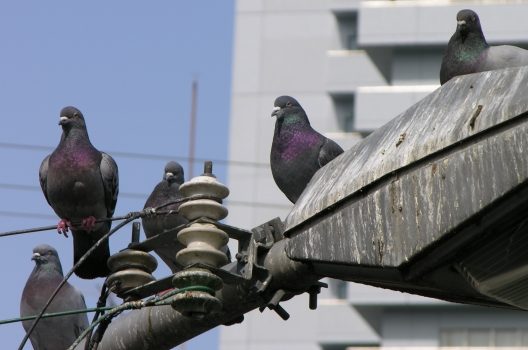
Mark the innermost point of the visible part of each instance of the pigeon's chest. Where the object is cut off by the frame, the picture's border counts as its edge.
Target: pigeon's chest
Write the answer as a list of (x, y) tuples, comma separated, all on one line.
[(295, 145), (74, 176), (37, 292), (164, 193)]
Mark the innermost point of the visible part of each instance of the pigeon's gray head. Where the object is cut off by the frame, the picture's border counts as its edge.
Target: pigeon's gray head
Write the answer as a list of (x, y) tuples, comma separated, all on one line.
[(285, 105), (467, 21), (45, 254), (173, 172), (71, 117)]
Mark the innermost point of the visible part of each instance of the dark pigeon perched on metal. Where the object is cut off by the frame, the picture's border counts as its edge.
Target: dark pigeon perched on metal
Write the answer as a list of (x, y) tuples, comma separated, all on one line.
[(468, 52), (55, 333), (297, 151), (166, 191), (81, 185)]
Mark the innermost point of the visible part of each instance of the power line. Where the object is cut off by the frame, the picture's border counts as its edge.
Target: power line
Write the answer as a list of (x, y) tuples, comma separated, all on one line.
[(57, 314), (131, 217), (147, 211), (136, 155), (33, 188), (158, 300)]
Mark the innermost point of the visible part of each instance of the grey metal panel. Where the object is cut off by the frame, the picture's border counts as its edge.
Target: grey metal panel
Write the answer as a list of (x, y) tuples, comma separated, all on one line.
[(440, 120), (452, 196), (410, 211)]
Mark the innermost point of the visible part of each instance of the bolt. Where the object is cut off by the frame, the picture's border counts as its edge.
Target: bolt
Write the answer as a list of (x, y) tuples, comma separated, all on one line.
[(135, 232), (208, 168)]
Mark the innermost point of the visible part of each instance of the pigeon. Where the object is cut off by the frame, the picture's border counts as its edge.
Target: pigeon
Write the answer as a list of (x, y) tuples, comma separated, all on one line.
[(55, 333), (297, 151), (468, 52), (81, 185), (166, 191)]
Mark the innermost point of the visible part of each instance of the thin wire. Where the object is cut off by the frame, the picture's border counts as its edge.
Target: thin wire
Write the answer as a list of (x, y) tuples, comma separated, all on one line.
[(56, 314), (140, 155), (53, 227), (101, 302), (33, 188), (132, 216), (159, 300), (134, 195), (146, 212), (127, 219), (21, 214), (112, 313)]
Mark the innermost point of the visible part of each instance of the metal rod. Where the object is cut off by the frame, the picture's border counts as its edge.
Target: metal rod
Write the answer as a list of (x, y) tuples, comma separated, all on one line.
[(136, 226), (192, 130)]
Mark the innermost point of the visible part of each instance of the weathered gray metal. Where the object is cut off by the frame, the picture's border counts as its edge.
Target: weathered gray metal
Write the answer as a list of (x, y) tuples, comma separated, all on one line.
[(269, 278), (413, 206), (433, 203)]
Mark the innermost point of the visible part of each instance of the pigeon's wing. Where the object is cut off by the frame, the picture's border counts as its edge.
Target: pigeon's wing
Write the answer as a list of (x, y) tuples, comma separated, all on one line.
[(110, 178), (43, 177), (505, 56), (329, 150), (81, 323)]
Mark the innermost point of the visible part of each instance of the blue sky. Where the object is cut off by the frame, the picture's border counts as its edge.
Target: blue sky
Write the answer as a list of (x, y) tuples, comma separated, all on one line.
[(128, 66)]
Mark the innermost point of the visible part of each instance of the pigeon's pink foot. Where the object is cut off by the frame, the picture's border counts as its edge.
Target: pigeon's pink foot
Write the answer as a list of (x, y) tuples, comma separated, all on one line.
[(89, 223), (63, 227)]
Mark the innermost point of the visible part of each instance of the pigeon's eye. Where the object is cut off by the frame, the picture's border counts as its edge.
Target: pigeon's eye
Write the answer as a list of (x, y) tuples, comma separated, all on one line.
[(75, 114), (288, 104), (473, 19)]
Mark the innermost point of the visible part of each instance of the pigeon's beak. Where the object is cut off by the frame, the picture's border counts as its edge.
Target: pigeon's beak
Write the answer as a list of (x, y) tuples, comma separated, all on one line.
[(62, 120), (462, 24), (35, 256), (275, 111), (169, 175)]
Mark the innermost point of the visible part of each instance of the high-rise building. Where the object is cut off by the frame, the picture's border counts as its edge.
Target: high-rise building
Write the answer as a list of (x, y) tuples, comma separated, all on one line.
[(353, 66)]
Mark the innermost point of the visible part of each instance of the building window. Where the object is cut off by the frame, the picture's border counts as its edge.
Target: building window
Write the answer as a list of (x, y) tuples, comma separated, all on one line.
[(490, 338), (338, 288), (344, 105), (416, 65), (348, 30)]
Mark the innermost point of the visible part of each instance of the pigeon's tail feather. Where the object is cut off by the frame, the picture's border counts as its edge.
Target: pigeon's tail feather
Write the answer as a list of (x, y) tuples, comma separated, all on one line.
[(96, 264)]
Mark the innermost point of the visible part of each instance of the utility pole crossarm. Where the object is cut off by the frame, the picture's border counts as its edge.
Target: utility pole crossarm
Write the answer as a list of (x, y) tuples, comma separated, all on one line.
[(269, 277), (434, 203), (426, 203)]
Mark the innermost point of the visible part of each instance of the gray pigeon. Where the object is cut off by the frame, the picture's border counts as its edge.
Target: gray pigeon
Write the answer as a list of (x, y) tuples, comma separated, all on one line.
[(297, 151), (55, 333), (81, 185), (166, 191), (468, 52)]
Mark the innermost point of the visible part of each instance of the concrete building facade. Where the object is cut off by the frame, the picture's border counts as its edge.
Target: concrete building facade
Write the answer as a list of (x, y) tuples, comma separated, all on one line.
[(353, 66)]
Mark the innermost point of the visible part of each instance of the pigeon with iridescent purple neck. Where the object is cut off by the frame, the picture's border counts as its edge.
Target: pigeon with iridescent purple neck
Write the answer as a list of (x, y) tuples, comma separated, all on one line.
[(165, 192), (81, 185), (468, 51), (297, 151), (56, 333)]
